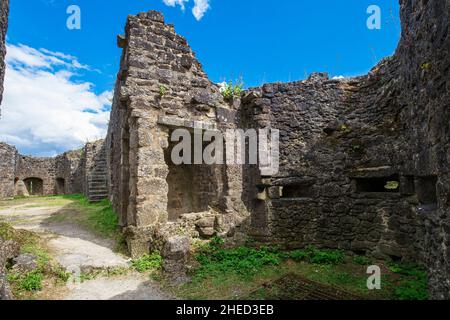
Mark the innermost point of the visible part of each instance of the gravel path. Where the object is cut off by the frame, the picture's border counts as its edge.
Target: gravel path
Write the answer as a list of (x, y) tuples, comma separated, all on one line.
[(76, 248)]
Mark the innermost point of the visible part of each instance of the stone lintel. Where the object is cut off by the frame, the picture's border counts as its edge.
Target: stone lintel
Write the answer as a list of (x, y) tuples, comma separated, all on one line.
[(182, 123)]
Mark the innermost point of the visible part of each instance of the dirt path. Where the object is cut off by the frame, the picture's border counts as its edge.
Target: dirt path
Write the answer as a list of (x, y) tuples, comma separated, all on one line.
[(77, 249)]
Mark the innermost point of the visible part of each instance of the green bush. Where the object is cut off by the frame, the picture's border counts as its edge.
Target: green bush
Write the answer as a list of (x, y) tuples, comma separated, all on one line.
[(148, 262)]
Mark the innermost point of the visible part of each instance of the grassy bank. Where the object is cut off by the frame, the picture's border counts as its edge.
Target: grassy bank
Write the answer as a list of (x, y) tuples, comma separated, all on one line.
[(48, 274), (261, 273)]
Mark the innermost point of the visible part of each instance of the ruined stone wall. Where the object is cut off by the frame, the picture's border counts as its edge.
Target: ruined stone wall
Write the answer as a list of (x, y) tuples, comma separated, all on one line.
[(44, 169), (71, 172), (8, 156), (424, 91), (4, 10), (343, 140), (160, 87)]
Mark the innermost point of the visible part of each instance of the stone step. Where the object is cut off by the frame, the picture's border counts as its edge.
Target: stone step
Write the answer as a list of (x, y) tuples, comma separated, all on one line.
[(98, 189)]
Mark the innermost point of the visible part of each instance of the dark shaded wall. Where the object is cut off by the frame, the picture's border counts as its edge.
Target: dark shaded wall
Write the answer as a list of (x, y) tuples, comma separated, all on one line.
[(4, 10), (343, 139)]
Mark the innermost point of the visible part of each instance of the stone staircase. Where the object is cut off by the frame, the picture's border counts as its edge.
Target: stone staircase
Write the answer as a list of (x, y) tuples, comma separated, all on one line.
[(97, 180)]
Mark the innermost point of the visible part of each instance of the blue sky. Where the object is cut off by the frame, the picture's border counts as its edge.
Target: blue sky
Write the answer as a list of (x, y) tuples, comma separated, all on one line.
[(260, 41)]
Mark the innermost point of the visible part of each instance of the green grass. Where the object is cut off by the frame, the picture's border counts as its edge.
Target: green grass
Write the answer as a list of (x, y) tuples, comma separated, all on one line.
[(25, 284), (238, 273), (413, 282), (98, 217), (151, 262), (316, 256)]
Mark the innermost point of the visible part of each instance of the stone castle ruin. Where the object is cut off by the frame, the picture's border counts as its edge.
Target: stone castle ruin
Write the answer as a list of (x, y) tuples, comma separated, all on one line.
[(81, 171), (364, 162)]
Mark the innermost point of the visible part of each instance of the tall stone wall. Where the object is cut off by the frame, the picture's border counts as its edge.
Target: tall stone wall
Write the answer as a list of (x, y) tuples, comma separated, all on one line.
[(342, 141), (363, 163), (8, 156), (68, 173), (4, 10), (161, 87)]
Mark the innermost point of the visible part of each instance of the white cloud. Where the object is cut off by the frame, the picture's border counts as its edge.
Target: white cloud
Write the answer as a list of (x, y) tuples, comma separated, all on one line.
[(199, 9), (45, 110), (173, 3)]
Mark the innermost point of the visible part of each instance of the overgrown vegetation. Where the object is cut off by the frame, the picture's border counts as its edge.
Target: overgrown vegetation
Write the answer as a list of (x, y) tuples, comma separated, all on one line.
[(249, 272), (232, 90), (412, 284), (150, 262), (25, 284), (316, 256)]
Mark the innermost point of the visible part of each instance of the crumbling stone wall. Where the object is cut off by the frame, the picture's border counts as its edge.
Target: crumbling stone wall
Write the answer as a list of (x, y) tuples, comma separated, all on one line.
[(4, 10), (69, 173), (363, 164), (161, 87), (8, 156), (343, 139)]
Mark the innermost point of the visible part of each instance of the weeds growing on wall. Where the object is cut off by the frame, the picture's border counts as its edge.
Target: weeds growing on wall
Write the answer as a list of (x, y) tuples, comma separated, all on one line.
[(232, 90)]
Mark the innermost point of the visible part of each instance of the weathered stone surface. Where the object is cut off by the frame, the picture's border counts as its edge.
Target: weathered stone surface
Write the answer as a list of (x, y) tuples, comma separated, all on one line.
[(8, 250), (25, 262), (79, 171), (4, 10), (176, 256)]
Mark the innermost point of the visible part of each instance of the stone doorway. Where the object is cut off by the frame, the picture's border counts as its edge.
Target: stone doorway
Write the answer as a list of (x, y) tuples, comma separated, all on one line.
[(60, 186), (192, 188), (34, 186)]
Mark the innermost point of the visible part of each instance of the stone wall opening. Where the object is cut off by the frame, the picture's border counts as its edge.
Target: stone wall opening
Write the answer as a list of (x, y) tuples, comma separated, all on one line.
[(426, 190), (60, 186), (389, 184), (296, 191), (192, 187), (35, 186)]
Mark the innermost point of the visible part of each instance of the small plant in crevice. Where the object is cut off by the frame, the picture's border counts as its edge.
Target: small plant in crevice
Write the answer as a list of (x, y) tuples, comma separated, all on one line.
[(392, 185), (425, 66), (232, 90), (163, 90)]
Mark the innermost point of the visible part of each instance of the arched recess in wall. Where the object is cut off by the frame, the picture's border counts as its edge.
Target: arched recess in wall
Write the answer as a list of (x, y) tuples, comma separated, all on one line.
[(34, 186), (60, 186)]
